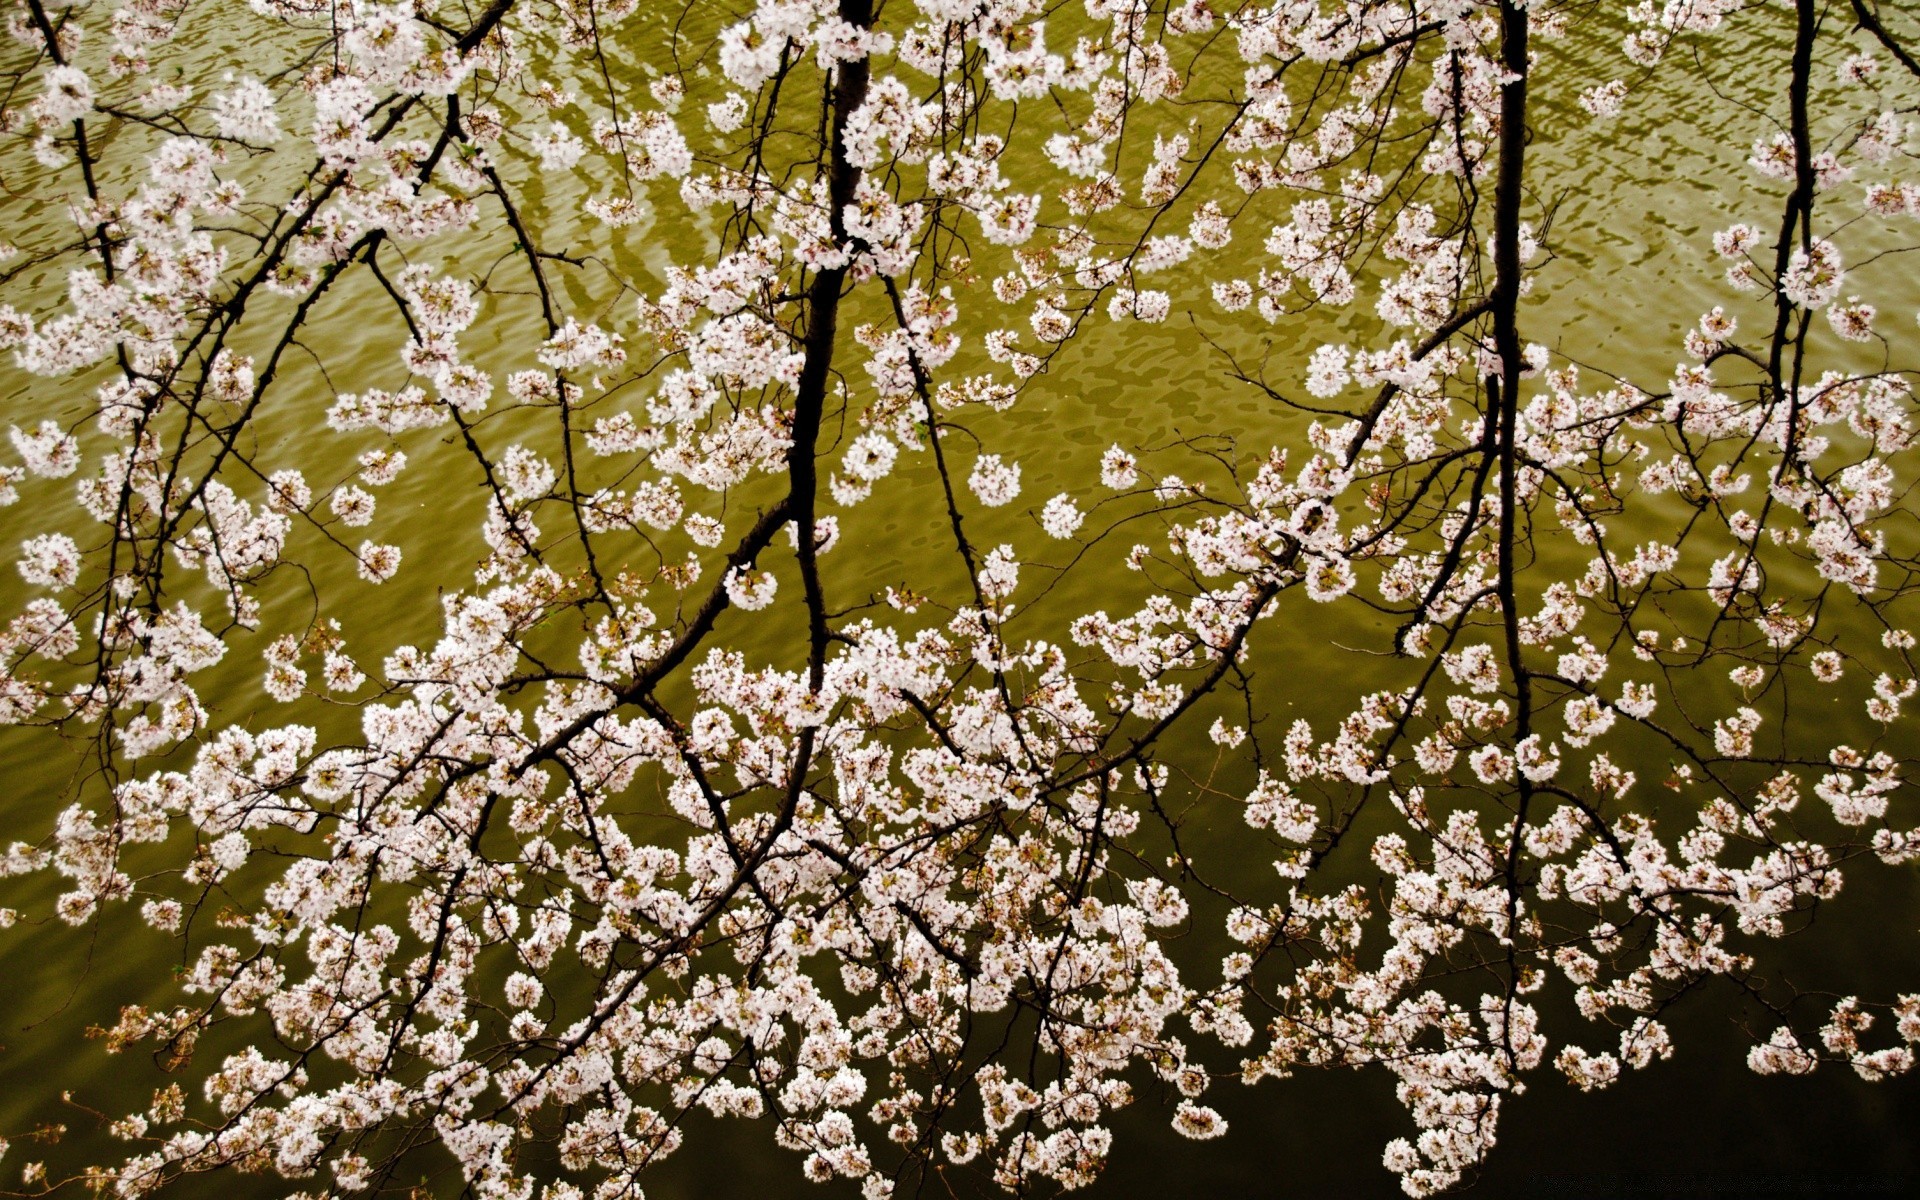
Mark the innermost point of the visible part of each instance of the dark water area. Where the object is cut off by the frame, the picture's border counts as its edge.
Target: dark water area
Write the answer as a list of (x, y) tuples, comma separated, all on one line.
[(1633, 271)]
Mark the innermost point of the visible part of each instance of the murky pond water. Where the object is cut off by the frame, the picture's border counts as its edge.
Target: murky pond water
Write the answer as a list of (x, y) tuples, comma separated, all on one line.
[(1635, 204)]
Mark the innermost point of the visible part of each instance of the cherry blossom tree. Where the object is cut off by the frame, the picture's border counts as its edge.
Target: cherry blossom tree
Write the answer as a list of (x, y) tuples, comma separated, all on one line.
[(454, 443)]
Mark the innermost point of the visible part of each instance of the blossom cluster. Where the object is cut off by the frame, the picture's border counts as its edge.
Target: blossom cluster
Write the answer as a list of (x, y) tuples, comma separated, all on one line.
[(453, 479)]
